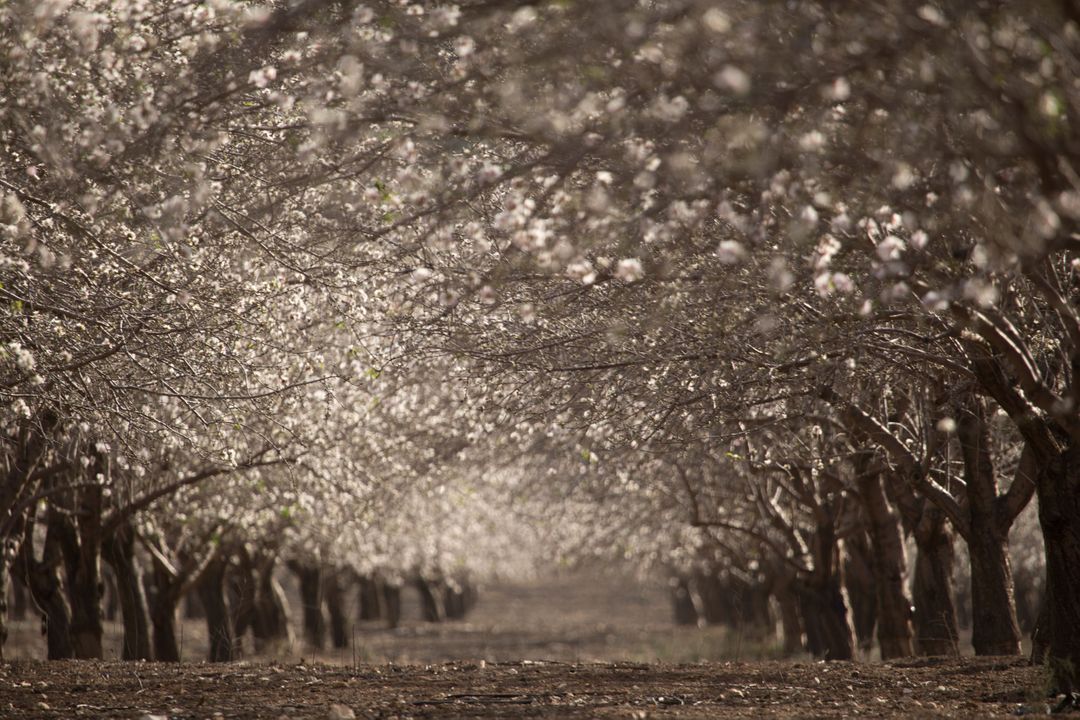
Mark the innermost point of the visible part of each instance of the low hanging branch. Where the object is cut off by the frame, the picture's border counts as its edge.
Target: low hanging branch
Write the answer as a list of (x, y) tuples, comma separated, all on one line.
[(915, 472)]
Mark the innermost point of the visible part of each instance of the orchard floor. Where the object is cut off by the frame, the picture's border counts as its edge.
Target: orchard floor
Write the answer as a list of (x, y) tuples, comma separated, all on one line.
[(571, 646), (965, 688)]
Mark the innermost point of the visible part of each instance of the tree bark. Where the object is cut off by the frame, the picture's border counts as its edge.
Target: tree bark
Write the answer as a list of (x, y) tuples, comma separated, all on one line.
[(241, 584), (995, 630), (1040, 634), (431, 606), (369, 597), (20, 606), (682, 602), (110, 599), (716, 599), (5, 583), (392, 595), (935, 612), (822, 595), (894, 613), (825, 616), (271, 607), (80, 542), (1059, 515), (42, 579), (335, 606), (163, 602), (311, 600), (859, 581), (783, 589), (219, 626), (119, 552)]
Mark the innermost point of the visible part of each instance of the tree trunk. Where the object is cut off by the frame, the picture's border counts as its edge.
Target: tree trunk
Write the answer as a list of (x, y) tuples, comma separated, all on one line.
[(4, 585), (459, 596), (859, 580), (716, 599), (44, 585), (392, 596), (825, 616), (311, 600), (995, 630), (271, 623), (163, 602), (335, 605), (431, 607), (219, 626), (1040, 635), (20, 606), (370, 598), (1059, 515), (166, 647), (935, 613), (119, 552), (42, 579), (1028, 589), (682, 602), (791, 624), (192, 606), (241, 585), (80, 543), (754, 615), (110, 600), (45, 589), (894, 615), (822, 593)]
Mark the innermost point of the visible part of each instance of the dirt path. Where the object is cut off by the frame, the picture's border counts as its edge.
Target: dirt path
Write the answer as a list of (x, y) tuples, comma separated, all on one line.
[(955, 688), (577, 645)]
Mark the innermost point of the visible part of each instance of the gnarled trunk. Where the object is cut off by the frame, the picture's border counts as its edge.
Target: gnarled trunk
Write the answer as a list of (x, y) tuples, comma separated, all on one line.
[(42, 579), (271, 608), (79, 535), (311, 600), (458, 598), (782, 589), (887, 562), (821, 595), (995, 630), (720, 601), (392, 595), (241, 586), (163, 601), (4, 584), (335, 606), (682, 602), (1059, 515), (219, 626), (1040, 634), (825, 616), (859, 581), (119, 552), (370, 598), (935, 612), (431, 606)]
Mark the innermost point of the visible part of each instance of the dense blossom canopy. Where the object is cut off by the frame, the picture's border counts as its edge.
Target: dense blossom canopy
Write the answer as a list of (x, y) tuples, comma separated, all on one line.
[(417, 285)]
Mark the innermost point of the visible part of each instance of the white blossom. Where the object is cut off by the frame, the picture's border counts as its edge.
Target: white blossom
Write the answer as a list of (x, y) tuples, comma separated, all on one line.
[(629, 270)]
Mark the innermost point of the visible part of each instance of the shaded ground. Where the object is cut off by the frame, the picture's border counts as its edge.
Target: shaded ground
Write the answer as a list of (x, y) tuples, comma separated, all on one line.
[(963, 688), (570, 646), (574, 617)]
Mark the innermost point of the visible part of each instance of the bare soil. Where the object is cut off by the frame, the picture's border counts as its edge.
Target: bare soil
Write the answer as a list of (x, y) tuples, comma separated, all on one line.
[(953, 688), (562, 647)]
